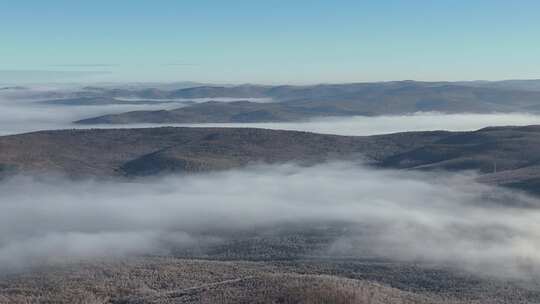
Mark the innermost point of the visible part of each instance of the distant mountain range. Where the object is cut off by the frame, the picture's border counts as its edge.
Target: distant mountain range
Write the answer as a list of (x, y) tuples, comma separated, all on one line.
[(503, 155), (101, 100), (513, 84), (293, 103)]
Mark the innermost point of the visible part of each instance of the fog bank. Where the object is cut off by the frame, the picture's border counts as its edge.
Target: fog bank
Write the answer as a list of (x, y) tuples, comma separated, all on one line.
[(363, 125), (407, 216), (20, 115)]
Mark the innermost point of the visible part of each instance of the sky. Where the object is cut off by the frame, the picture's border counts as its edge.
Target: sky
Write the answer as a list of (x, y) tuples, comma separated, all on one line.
[(240, 41)]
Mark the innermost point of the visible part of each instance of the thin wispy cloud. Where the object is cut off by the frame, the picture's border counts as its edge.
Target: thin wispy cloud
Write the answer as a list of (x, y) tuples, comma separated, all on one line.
[(48, 72), (91, 65), (180, 64), (34, 76)]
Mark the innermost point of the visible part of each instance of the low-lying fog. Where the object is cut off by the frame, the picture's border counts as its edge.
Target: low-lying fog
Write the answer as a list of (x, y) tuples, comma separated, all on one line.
[(401, 215), (198, 100), (18, 115), (362, 125), (26, 117), (22, 112)]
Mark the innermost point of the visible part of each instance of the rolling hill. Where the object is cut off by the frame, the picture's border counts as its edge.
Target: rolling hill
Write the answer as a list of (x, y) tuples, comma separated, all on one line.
[(503, 155), (294, 103)]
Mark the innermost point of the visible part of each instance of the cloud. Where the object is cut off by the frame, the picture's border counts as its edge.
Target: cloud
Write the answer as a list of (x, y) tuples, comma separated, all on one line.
[(20, 113), (179, 64), (87, 65), (362, 125), (411, 216), (35, 76)]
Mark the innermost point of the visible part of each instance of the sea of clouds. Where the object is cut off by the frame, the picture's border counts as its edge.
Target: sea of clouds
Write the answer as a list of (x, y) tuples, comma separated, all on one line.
[(410, 216), (407, 216), (20, 115)]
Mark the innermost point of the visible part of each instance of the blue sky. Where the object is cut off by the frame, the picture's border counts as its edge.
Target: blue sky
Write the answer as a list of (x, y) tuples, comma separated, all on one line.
[(238, 41)]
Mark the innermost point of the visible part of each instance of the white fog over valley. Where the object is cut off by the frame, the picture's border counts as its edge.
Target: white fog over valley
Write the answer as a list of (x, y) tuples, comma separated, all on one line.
[(446, 218), (291, 152), (19, 115), (409, 216)]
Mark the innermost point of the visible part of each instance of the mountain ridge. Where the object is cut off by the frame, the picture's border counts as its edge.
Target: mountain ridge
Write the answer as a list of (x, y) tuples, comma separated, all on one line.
[(501, 155), (296, 103)]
